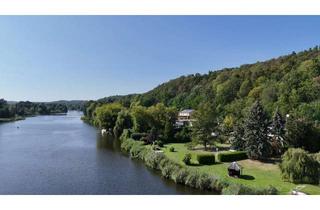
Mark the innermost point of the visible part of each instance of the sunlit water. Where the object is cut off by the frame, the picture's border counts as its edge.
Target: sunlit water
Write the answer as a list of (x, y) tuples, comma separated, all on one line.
[(63, 155)]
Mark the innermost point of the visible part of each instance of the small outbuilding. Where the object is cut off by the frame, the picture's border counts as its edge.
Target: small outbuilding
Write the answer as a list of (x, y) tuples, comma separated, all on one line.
[(234, 169)]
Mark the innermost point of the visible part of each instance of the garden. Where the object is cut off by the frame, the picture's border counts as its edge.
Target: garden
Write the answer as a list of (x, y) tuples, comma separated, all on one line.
[(255, 173)]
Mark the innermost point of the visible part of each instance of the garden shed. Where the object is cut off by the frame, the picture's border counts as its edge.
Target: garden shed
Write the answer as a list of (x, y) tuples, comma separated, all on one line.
[(234, 169)]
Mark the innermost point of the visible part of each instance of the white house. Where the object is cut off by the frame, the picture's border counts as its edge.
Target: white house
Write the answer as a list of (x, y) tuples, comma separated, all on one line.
[(185, 118)]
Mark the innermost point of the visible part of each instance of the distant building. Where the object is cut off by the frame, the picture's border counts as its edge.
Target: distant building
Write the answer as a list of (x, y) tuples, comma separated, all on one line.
[(184, 118)]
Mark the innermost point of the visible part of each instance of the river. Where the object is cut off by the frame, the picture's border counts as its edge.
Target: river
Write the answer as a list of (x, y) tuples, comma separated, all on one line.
[(60, 154)]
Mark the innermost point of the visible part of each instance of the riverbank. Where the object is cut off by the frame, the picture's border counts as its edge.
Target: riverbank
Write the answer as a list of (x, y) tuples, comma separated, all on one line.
[(12, 119), (3, 120), (255, 173), (183, 175)]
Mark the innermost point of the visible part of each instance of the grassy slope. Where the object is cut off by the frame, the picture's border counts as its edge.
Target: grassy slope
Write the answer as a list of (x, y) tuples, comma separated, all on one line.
[(255, 173)]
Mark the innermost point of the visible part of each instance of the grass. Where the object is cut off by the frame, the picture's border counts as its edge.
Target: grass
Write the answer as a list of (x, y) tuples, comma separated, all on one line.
[(255, 173)]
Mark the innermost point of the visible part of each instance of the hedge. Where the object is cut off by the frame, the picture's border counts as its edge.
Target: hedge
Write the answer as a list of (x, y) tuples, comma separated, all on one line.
[(206, 159), (232, 156), (169, 169)]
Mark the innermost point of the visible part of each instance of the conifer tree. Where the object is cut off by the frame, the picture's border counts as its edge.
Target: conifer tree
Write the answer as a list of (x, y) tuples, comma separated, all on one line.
[(256, 133), (238, 141), (278, 133)]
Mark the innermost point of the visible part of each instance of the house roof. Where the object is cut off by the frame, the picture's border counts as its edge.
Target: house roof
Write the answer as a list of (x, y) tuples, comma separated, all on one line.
[(234, 166), (187, 111)]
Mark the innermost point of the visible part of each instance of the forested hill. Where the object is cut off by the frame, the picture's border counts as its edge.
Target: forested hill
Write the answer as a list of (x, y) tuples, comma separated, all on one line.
[(290, 82)]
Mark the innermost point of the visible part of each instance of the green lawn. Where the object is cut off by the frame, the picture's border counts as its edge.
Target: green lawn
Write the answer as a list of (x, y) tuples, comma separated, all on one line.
[(255, 173)]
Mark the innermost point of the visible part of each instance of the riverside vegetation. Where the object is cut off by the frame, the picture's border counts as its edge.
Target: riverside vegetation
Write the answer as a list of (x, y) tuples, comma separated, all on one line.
[(268, 111), (19, 110)]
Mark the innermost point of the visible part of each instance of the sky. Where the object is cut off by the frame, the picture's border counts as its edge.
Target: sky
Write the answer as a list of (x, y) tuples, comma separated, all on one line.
[(47, 58)]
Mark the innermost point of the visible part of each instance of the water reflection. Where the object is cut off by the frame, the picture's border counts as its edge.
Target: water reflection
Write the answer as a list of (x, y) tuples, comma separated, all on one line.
[(110, 143), (63, 155)]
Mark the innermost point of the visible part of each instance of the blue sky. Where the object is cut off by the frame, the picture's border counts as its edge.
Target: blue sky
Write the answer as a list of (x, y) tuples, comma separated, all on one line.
[(45, 58)]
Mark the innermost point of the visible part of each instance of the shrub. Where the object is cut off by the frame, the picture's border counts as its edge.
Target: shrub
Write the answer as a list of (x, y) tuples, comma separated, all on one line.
[(192, 179), (136, 150), (155, 147), (164, 162), (126, 145), (298, 166), (179, 176), (171, 149), (204, 182), (137, 136), (218, 184), (316, 156), (153, 159), (187, 159), (159, 143), (125, 135), (232, 156), (239, 189), (206, 159), (168, 170), (271, 190)]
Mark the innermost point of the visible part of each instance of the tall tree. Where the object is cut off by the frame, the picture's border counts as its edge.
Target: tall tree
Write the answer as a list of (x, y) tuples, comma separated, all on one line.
[(237, 139), (256, 133), (278, 133), (123, 121), (204, 125)]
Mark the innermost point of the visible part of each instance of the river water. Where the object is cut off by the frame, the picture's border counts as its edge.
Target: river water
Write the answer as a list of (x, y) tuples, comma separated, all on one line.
[(62, 155)]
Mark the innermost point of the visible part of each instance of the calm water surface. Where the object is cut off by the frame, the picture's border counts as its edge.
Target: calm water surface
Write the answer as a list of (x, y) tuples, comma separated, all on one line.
[(63, 155)]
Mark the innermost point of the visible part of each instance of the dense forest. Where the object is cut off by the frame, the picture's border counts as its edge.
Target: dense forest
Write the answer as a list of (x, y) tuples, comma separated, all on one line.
[(27, 108), (289, 84)]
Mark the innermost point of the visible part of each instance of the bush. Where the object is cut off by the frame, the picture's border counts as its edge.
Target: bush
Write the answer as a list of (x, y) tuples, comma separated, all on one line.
[(239, 189), (180, 176), (316, 156), (136, 150), (204, 182), (125, 135), (298, 166), (138, 136), (232, 156), (171, 149), (153, 159), (206, 159), (192, 179), (168, 169), (218, 184), (126, 145), (159, 143), (187, 159)]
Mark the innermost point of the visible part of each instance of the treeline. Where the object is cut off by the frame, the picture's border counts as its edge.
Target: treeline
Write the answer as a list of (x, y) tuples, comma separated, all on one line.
[(27, 108), (264, 109), (290, 83), (77, 105), (286, 86), (149, 124)]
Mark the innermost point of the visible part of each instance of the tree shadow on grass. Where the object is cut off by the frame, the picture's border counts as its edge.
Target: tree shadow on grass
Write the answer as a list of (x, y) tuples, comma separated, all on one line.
[(246, 177)]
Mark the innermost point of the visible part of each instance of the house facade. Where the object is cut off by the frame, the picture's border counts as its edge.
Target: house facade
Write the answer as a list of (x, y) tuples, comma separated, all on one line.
[(185, 118)]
